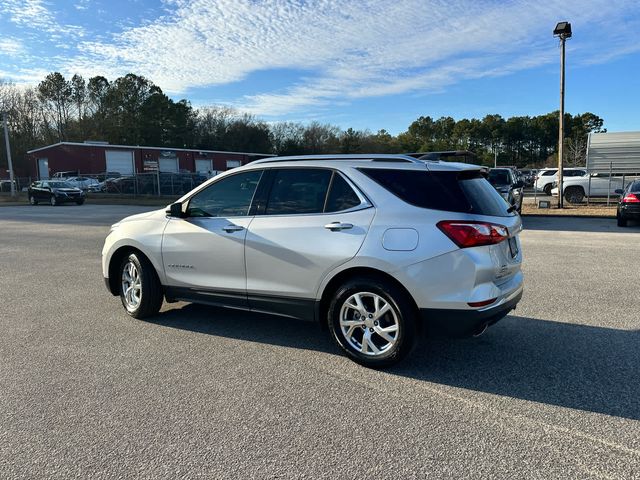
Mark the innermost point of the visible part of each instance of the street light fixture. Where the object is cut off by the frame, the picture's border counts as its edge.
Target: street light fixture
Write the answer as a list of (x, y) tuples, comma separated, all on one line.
[(563, 31)]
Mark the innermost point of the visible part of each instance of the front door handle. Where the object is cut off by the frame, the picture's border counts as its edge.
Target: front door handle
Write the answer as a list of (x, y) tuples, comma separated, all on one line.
[(337, 226), (232, 228)]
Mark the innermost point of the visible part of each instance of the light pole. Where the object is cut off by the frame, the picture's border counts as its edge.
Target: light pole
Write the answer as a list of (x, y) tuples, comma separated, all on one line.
[(6, 141), (562, 30)]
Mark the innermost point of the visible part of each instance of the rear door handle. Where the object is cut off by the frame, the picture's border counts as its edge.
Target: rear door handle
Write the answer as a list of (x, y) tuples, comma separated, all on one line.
[(337, 226), (232, 228)]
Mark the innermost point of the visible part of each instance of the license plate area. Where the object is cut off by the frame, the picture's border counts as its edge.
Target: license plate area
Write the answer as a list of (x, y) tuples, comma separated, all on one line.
[(513, 247)]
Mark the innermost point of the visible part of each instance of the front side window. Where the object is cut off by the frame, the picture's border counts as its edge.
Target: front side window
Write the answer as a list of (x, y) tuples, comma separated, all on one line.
[(228, 197), (298, 191)]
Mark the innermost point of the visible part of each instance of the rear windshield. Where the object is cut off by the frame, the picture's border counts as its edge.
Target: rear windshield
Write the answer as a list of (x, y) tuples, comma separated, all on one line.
[(463, 192), (499, 177)]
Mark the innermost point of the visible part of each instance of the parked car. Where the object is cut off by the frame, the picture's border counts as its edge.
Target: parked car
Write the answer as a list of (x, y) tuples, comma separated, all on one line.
[(376, 247), (545, 177), (5, 185), (64, 175), (629, 203), (82, 183), (526, 176), (54, 192), (170, 184), (594, 185), (507, 185)]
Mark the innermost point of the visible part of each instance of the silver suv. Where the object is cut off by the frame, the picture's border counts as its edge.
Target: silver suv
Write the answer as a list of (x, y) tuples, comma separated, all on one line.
[(375, 247)]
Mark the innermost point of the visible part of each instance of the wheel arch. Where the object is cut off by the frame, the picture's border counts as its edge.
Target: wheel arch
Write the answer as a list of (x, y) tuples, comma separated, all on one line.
[(341, 277), (114, 264)]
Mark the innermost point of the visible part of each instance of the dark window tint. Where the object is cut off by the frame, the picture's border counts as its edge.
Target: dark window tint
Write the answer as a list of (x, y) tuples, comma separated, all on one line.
[(465, 192), (296, 191), (228, 197), (548, 173), (499, 177), (341, 195), (574, 173), (635, 187)]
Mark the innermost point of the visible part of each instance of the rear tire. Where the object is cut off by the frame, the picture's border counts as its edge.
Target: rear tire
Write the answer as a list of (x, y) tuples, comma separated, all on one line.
[(547, 189), (140, 289), (622, 222), (574, 194), (373, 321)]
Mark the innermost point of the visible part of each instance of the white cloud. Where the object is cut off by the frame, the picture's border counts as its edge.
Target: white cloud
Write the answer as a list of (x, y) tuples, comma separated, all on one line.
[(339, 51), (11, 47), (35, 14)]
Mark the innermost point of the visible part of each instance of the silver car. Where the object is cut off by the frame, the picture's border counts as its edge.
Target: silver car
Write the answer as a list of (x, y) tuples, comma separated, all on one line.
[(375, 247)]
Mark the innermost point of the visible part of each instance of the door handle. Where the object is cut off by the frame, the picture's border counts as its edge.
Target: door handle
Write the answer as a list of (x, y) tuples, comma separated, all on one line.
[(232, 228), (337, 226)]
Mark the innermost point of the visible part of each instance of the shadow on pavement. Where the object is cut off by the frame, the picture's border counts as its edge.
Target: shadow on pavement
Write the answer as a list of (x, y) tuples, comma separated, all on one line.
[(574, 224), (588, 368)]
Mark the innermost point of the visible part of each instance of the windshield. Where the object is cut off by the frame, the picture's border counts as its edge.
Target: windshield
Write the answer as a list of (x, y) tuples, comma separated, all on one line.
[(499, 177), (60, 185)]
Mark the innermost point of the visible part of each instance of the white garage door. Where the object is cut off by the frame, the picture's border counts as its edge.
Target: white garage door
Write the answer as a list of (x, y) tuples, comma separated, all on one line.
[(168, 165), (203, 166), (120, 161)]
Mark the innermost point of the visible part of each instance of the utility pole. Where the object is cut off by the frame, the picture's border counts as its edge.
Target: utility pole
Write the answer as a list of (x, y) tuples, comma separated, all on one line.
[(562, 30), (6, 141)]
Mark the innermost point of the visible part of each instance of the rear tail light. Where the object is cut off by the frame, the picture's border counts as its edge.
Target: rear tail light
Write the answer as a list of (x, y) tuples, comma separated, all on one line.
[(631, 198), (473, 234)]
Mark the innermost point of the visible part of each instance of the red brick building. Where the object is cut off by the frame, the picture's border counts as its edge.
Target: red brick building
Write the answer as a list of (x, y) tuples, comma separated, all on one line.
[(99, 157)]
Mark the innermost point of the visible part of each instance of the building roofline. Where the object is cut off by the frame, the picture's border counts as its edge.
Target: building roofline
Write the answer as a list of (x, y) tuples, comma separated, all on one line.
[(108, 145)]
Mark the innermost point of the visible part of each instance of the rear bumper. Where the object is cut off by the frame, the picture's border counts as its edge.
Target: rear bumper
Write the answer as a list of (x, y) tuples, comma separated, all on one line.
[(630, 211), (461, 323)]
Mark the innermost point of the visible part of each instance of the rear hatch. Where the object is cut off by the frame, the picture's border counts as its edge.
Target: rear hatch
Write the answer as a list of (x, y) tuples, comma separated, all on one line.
[(467, 201)]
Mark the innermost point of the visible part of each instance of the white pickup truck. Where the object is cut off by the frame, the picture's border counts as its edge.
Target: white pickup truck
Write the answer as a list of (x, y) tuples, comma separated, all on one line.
[(576, 189)]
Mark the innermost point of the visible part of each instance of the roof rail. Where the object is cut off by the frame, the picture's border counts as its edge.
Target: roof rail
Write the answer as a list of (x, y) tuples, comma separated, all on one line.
[(371, 157)]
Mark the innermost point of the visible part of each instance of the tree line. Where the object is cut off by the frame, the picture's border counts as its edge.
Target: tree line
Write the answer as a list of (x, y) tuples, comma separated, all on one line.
[(132, 110)]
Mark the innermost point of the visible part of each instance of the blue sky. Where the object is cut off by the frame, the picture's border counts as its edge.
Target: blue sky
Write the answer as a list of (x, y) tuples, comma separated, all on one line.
[(366, 64)]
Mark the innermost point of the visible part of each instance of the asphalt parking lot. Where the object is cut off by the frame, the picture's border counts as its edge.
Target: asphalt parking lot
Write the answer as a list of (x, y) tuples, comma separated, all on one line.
[(553, 391)]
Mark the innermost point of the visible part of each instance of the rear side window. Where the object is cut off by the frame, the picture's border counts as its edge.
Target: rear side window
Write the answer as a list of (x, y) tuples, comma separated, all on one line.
[(298, 191), (341, 195), (548, 173), (463, 192)]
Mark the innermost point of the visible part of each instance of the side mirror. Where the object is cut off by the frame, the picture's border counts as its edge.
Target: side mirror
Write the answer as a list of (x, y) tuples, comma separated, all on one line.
[(619, 191), (175, 210)]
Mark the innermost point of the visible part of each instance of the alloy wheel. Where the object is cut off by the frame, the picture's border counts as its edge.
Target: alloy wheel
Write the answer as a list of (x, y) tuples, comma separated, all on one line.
[(131, 286), (369, 323)]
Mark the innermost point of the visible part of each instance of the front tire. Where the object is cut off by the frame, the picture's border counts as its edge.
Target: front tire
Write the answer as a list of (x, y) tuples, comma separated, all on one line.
[(53, 201), (373, 321), (140, 288), (32, 200), (80, 202)]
